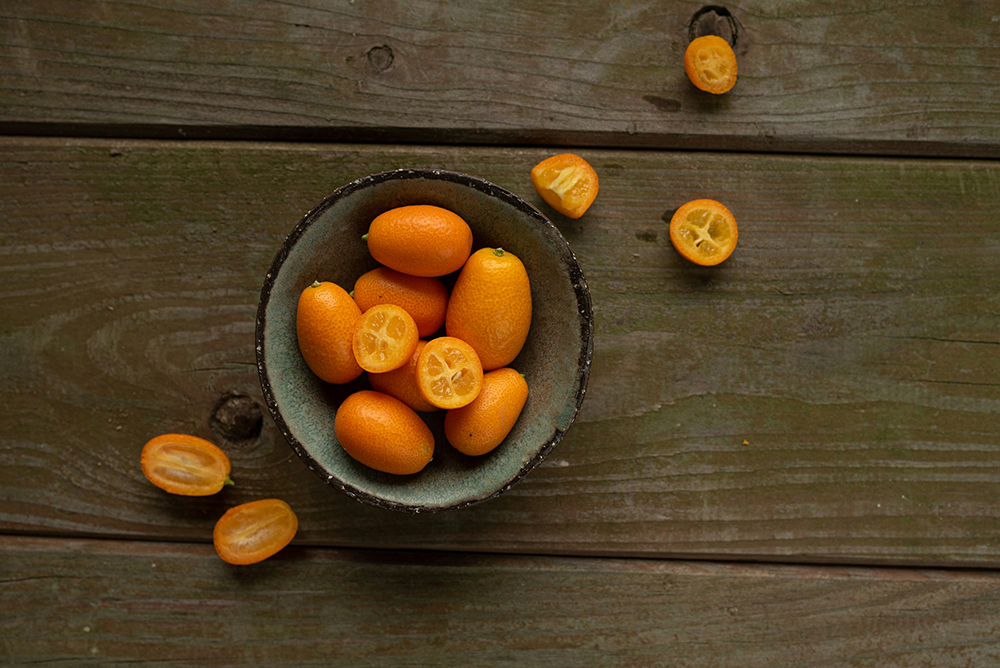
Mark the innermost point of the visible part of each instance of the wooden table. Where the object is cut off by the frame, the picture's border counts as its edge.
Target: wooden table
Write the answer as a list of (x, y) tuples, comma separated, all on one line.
[(792, 459)]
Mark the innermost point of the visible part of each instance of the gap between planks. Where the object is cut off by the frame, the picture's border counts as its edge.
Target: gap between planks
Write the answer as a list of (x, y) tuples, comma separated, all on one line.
[(682, 564), (471, 138), (675, 558)]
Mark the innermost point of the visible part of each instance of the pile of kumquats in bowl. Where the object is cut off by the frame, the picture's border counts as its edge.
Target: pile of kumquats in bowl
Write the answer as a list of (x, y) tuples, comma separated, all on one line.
[(424, 339)]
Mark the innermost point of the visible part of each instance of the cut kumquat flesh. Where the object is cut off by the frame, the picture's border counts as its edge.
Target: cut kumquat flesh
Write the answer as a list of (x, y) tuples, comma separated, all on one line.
[(449, 373), (703, 231), (385, 338), (252, 532), (567, 183), (711, 64), (185, 465)]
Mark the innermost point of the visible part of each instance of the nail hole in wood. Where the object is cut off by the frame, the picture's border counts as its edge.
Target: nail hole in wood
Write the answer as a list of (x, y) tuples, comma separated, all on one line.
[(714, 20)]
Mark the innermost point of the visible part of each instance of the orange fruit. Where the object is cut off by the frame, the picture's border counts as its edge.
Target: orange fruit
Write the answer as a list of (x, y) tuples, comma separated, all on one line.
[(422, 297), (567, 183), (420, 240), (490, 306), (401, 383), (186, 465), (449, 374), (482, 425), (254, 531), (383, 433), (385, 338), (325, 323), (703, 231), (710, 64)]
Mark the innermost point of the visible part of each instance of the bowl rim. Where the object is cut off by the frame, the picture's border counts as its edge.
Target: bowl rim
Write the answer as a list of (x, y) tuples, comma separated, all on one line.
[(577, 279)]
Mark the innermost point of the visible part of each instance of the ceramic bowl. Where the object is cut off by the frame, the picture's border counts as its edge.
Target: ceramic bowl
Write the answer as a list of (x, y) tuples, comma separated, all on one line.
[(326, 245)]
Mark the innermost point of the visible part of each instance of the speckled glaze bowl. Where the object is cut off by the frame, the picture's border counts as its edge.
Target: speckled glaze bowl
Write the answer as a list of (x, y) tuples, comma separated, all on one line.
[(326, 245)]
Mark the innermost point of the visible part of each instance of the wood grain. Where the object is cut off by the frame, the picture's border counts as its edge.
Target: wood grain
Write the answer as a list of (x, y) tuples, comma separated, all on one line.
[(103, 602), (829, 394), (857, 76)]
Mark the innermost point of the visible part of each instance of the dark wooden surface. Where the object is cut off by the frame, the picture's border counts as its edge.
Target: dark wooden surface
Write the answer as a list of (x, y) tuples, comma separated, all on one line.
[(851, 342), (827, 398)]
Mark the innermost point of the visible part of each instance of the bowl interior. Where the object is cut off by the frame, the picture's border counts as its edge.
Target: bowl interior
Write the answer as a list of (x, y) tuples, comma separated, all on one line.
[(327, 246)]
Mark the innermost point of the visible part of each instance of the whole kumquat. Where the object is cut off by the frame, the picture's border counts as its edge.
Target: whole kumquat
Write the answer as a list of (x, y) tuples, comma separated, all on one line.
[(401, 383), (490, 306), (383, 433), (252, 532), (567, 183), (704, 231), (185, 465), (482, 425), (385, 338), (711, 64), (424, 298), (420, 240), (325, 322), (449, 373)]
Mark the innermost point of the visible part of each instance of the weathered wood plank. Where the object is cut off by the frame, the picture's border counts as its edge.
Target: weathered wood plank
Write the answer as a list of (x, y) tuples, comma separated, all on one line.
[(851, 341), (101, 602), (854, 76)]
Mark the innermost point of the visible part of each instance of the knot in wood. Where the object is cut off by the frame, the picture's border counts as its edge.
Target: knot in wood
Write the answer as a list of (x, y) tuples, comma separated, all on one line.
[(237, 417), (380, 58), (714, 20)]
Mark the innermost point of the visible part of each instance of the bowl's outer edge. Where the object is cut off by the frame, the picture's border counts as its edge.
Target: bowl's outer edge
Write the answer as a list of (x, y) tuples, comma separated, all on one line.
[(584, 307)]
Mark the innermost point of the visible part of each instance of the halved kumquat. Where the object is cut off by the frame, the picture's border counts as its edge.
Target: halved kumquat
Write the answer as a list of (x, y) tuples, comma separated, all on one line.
[(252, 532), (704, 231), (449, 373), (185, 465), (385, 338), (710, 64), (567, 183)]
